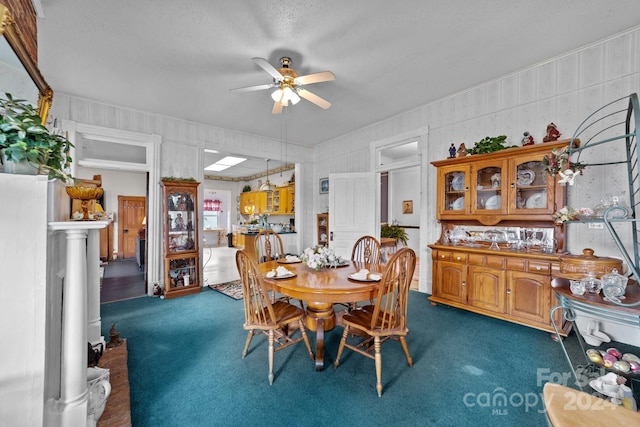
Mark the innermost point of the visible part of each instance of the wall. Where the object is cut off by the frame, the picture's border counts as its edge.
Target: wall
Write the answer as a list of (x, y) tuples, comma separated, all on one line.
[(404, 184), (563, 90)]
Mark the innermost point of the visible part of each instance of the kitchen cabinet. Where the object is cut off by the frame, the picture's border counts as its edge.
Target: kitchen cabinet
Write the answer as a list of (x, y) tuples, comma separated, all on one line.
[(508, 190), (253, 202), (283, 199), (180, 238), (279, 201)]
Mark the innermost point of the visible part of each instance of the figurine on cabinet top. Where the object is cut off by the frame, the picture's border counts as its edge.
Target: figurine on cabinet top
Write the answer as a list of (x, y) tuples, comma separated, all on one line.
[(462, 150), (552, 133), (527, 139), (452, 151)]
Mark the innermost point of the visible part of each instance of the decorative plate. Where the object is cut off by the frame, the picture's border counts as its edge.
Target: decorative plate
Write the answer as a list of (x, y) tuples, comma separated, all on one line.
[(525, 177), (457, 183), (537, 201), (458, 204), (493, 202)]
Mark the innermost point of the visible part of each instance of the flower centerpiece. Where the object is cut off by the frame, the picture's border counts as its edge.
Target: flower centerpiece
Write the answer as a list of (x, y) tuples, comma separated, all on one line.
[(569, 214), (558, 162), (319, 257)]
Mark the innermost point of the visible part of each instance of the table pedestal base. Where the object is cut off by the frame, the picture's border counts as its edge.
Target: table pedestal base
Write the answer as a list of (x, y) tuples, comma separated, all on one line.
[(320, 318)]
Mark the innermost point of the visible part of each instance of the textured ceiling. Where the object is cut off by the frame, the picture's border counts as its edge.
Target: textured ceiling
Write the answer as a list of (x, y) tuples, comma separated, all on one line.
[(180, 58)]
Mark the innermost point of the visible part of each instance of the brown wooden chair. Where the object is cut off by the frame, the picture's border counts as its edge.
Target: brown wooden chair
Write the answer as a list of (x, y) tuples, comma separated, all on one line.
[(261, 316), (367, 250), (268, 246), (387, 318)]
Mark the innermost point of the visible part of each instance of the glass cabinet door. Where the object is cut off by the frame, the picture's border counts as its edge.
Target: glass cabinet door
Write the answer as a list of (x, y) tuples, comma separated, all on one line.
[(182, 272), (455, 188), (181, 233), (489, 184), (530, 185)]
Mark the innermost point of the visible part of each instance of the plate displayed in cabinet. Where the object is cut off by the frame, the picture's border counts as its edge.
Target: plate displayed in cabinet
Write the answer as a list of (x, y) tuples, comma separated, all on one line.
[(457, 183), (493, 202), (458, 204), (525, 177), (537, 201)]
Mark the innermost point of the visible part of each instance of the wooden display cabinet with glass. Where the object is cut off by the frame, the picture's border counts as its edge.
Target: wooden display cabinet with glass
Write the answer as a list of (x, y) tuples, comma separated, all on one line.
[(180, 235), (507, 195), (323, 229)]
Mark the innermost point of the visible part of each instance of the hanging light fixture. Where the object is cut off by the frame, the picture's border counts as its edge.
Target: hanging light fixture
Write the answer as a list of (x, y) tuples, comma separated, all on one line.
[(267, 186), (285, 94)]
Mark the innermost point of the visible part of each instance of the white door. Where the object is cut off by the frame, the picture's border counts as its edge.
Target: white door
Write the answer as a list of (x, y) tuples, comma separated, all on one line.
[(353, 209)]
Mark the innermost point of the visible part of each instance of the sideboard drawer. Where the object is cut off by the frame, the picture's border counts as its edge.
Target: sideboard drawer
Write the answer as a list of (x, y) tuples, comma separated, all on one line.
[(540, 267)]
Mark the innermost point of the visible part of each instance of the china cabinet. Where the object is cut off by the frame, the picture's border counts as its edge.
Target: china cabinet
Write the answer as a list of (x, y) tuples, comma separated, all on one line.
[(499, 245), (182, 272), (323, 229)]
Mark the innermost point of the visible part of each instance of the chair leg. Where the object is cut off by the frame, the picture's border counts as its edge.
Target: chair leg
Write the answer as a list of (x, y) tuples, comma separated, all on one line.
[(341, 347), (305, 338), (378, 359), (403, 341), (271, 340), (246, 346)]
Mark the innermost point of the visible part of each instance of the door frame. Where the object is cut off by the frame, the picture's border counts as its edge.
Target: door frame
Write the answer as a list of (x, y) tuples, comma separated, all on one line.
[(427, 228), (151, 143)]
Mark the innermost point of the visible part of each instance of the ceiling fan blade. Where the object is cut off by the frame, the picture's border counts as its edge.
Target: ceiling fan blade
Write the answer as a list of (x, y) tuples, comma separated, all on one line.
[(268, 68), (312, 97), (252, 88), (277, 108), (324, 76)]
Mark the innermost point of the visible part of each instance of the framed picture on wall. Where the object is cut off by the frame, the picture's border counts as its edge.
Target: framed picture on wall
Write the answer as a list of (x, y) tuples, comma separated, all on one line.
[(407, 207), (324, 185)]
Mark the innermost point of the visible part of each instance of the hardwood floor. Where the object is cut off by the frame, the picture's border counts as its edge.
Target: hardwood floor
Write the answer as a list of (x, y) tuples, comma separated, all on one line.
[(122, 279)]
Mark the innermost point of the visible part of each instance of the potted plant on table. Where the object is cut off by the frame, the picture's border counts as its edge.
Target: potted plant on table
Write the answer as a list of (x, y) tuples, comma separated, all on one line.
[(394, 232), (27, 147)]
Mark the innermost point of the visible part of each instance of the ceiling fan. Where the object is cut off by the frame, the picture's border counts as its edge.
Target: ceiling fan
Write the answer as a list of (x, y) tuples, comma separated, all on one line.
[(288, 85)]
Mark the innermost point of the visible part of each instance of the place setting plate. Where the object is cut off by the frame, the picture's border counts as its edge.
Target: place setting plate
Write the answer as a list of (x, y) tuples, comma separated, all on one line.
[(365, 277), (280, 273), (289, 261)]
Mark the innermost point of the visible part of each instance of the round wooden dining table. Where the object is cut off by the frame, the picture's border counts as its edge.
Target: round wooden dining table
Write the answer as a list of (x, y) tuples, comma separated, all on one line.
[(320, 290)]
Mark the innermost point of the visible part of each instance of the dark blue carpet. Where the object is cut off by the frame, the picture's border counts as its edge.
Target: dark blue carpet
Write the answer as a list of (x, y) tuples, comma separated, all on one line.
[(185, 369)]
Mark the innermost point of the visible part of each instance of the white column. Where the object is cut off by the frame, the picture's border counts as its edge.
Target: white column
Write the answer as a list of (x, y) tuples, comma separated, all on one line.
[(73, 403), (94, 325)]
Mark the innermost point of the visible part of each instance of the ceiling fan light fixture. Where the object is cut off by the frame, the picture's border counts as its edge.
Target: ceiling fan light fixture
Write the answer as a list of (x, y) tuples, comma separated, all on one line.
[(277, 95)]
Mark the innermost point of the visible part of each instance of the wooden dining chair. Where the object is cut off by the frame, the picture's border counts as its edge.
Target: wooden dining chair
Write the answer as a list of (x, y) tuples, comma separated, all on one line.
[(385, 319), (268, 246), (262, 316), (367, 250)]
